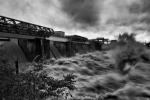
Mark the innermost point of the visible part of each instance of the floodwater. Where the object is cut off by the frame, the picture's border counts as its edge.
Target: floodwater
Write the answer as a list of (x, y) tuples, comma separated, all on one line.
[(99, 79)]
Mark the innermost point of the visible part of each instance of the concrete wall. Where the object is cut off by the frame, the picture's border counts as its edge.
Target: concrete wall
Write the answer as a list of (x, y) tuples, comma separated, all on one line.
[(52, 47), (11, 51), (35, 48), (58, 46)]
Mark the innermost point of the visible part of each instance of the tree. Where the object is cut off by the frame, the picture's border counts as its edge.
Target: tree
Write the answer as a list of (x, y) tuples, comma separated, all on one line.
[(32, 85), (125, 37)]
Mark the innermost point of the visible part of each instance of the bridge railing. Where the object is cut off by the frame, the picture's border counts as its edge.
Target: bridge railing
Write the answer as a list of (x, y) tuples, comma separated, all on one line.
[(14, 26)]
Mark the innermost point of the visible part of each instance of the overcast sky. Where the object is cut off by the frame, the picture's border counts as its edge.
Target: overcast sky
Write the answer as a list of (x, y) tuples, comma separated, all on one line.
[(89, 18)]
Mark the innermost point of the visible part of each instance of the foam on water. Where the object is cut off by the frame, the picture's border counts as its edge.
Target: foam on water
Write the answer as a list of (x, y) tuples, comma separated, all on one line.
[(97, 76)]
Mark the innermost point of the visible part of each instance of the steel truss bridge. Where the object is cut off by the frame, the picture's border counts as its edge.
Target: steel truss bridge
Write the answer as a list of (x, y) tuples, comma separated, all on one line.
[(17, 27)]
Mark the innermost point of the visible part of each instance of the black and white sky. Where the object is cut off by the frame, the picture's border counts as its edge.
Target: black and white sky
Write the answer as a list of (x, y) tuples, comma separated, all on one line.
[(89, 18)]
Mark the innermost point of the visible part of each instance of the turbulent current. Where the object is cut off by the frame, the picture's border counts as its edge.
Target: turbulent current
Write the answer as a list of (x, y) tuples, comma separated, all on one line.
[(99, 79)]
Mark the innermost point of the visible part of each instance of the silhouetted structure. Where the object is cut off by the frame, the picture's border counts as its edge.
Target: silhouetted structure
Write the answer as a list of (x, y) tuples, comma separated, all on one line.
[(17, 27), (148, 44), (77, 44)]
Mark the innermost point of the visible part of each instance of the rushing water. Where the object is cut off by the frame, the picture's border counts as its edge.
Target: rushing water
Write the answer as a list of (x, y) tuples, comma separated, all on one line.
[(97, 77)]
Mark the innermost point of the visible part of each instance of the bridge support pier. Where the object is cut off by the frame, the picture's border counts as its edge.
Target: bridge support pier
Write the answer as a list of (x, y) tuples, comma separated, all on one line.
[(42, 48)]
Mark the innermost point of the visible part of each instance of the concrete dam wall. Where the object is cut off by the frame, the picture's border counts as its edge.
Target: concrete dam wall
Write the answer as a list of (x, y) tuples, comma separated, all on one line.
[(27, 42), (29, 49)]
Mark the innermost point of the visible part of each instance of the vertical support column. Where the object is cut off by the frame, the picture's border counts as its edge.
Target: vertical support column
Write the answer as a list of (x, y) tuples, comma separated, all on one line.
[(17, 67), (38, 54), (46, 44), (68, 49), (42, 47)]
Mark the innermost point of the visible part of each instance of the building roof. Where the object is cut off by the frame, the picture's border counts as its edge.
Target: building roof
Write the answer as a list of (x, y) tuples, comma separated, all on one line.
[(77, 38)]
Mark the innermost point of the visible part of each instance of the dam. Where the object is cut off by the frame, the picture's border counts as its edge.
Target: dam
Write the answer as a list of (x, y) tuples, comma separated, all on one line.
[(25, 41)]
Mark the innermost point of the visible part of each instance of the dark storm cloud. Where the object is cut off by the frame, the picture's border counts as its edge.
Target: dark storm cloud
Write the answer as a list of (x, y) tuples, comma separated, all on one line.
[(89, 18), (145, 20), (144, 6), (85, 12), (141, 8)]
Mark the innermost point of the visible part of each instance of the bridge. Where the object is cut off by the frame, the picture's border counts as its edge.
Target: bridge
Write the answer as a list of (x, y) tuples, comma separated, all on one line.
[(30, 38), (34, 40), (10, 27)]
